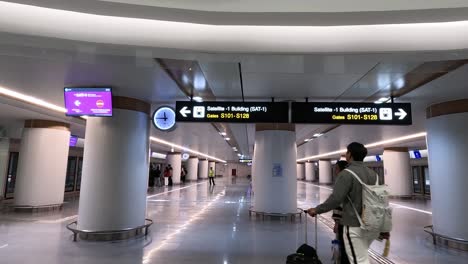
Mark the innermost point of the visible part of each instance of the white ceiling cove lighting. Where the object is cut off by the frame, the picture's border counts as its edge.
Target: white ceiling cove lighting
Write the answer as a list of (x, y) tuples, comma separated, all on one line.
[(140, 32), (371, 145), (172, 145)]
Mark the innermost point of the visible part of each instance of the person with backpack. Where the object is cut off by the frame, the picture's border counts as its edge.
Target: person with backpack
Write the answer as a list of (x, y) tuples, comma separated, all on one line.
[(366, 213)]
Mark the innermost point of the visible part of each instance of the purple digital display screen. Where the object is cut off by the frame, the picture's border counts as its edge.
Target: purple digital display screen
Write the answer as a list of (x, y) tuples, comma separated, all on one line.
[(88, 101), (73, 141)]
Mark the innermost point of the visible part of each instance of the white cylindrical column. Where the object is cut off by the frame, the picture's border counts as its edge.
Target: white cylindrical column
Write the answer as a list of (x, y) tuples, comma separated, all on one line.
[(300, 167), (42, 163), (397, 171), (192, 169), (447, 140), (203, 169), (309, 171), (325, 171), (212, 164), (274, 169), (115, 168), (175, 160)]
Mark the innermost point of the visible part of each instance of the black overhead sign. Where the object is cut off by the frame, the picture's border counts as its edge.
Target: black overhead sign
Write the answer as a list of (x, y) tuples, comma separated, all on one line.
[(232, 112), (352, 113)]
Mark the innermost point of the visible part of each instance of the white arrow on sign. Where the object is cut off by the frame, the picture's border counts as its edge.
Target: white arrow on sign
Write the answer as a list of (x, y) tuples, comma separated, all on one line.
[(401, 113), (184, 111)]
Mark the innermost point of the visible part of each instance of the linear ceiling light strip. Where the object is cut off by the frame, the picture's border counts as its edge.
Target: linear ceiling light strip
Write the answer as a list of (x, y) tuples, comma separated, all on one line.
[(31, 100), (371, 145), (167, 143)]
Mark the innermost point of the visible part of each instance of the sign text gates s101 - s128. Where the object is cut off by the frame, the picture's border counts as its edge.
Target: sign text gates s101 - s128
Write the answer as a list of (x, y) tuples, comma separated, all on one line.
[(352, 113), (232, 112)]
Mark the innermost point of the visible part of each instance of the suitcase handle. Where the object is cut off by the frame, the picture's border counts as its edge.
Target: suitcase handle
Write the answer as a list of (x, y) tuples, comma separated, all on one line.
[(316, 229)]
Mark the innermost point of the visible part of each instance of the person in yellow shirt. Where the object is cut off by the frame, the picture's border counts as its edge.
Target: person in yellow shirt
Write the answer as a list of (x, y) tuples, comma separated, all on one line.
[(211, 176)]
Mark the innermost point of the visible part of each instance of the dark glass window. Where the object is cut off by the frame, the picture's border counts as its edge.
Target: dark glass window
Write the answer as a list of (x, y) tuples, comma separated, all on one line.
[(427, 180), (78, 173), (11, 175), (71, 174), (416, 180)]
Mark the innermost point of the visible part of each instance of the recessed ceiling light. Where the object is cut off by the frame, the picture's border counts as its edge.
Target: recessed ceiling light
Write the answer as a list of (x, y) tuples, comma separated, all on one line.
[(227, 139), (222, 133), (382, 100), (318, 135), (306, 140), (157, 155), (197, 99)]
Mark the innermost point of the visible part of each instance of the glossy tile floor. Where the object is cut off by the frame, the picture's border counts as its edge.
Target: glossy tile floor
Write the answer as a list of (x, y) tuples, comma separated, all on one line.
[(199, 224)]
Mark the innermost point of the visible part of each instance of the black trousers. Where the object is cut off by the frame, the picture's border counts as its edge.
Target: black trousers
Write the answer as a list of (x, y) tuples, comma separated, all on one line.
[(170, 181), (212, 180)]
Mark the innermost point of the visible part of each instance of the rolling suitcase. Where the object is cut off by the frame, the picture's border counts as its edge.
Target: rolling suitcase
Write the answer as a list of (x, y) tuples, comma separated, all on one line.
[(305, 254)]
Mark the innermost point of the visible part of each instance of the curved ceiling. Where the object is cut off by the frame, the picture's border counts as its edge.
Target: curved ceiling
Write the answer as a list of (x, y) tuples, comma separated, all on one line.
[(298, 5), (63, 24), (271, 12)]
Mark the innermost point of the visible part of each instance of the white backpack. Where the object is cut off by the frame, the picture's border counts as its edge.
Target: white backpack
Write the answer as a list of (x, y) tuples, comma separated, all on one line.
[(376, 212)]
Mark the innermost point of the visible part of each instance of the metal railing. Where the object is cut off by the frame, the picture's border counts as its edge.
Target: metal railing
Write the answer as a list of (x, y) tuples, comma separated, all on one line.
[(449, 241), (110, 233)]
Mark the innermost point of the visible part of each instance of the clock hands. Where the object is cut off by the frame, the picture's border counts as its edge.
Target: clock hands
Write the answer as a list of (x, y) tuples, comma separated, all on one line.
[(163, 118)]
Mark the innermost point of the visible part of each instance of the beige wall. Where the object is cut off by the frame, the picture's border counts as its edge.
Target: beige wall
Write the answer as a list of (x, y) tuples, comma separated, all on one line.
[(225, 170)]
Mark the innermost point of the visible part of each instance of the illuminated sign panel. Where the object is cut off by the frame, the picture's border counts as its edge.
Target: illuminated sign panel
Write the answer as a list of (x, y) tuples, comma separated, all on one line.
[(232, 112), (352, 113), (88, 101)]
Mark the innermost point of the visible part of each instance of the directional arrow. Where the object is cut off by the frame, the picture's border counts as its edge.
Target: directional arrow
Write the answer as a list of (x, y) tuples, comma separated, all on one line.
[(401, 113), (184, 111)]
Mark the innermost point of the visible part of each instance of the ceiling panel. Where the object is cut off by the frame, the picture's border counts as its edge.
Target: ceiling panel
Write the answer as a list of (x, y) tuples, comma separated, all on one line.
[(223, 78), (47, 77)]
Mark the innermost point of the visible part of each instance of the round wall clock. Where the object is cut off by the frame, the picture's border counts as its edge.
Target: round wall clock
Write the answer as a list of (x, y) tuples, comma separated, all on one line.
[(164, 118)]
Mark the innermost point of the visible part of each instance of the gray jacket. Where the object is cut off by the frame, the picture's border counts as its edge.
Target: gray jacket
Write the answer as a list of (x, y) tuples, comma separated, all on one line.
[(346, 185)]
